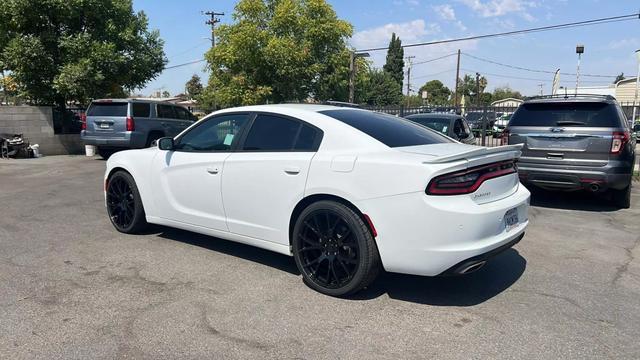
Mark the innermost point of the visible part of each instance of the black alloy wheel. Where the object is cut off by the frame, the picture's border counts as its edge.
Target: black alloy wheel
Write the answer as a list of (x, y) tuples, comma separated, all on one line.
[(334, 249), (123, 203)]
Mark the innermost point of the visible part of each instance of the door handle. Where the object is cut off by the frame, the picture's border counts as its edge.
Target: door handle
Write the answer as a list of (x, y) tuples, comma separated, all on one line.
[(292, 170), (213, 170)]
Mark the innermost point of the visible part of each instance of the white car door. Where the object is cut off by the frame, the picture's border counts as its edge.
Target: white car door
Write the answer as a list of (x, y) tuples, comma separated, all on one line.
[(266, 177), (186, 181)]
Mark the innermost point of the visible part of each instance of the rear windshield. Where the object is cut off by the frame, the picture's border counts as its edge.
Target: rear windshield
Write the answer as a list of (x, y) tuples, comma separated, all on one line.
[(588, 114), (108, 109), (389, 130), (437, 124)]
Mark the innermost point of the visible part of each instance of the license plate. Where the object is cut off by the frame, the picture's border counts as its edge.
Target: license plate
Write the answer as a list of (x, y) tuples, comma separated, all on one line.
[(104, 126), (511, 219)]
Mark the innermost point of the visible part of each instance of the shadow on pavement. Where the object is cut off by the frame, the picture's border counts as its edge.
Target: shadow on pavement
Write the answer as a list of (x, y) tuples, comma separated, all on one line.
[(247, 252), (495, 277), (574, 200), (468, 290)]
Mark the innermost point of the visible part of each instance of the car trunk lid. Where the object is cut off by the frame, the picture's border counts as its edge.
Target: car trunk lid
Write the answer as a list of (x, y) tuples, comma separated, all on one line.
[(107, 118), (456, 158)]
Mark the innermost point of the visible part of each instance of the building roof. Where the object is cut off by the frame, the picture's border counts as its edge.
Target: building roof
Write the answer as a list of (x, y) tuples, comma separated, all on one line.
[(508, 99)]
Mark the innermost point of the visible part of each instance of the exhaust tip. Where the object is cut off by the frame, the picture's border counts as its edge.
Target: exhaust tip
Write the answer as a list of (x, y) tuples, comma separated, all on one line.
[(594, 187), (472, 267)]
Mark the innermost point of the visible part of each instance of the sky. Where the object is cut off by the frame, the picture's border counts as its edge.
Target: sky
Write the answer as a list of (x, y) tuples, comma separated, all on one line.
[(609, 48)]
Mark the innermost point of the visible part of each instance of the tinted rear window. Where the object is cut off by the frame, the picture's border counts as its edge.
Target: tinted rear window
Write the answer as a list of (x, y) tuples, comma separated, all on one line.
[(108, 109), (586, 114), (389, 130)]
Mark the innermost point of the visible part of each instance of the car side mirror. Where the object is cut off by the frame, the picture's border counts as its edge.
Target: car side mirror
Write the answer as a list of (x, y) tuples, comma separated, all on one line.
[(165, 143)]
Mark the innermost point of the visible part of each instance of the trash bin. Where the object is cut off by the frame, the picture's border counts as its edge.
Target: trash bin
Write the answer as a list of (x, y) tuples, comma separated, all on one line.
[(89, 150)]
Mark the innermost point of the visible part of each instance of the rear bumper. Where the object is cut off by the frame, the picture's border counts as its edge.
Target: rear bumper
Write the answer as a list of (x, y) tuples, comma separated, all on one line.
[(615, 175), (129, 140), (427, 235)]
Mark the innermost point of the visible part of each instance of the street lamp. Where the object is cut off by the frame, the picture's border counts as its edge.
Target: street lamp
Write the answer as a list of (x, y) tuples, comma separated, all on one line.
[(635, 98), (352, 71), (579, 51)]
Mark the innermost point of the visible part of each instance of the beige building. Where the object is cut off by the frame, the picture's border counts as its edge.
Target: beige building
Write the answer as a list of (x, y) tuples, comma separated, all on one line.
[(626, 90), (507, 103)]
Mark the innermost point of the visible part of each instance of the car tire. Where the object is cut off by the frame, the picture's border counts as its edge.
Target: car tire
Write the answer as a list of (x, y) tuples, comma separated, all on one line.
[(105, 153), (124, 205), (334, 249), (622, 198)]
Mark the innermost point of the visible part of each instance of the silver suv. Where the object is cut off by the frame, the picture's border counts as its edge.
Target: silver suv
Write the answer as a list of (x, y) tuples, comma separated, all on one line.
[(573, 143), (115, 124)]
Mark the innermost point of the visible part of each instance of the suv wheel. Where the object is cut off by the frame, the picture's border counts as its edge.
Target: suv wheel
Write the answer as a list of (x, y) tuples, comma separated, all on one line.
[(105, 153), (622, 198)]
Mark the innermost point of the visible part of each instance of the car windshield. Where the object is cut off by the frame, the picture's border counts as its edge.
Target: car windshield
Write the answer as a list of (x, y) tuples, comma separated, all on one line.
[(389, 130), (438, 124), (588, 114), (108, 109)]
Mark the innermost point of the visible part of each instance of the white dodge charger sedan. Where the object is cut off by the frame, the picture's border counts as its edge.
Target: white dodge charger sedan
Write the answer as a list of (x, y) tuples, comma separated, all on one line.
[(345, 191)]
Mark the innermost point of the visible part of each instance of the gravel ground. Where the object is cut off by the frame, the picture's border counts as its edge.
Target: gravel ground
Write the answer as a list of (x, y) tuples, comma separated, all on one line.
[(73, 287)]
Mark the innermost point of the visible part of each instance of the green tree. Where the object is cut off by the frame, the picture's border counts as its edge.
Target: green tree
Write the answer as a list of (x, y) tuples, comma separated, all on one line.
[(437, 93), (467, 86), (505, 92), (75, 50), (620, 77), (279, 50), (394, 64), (165, 94), (194, 86), (378, 88)]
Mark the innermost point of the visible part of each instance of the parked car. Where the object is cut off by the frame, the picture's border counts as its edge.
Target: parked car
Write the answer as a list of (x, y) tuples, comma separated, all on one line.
[(636, 131), (573, 143), (116, 124), (345, 191), (478, 119), (500, 124), (454, 126)]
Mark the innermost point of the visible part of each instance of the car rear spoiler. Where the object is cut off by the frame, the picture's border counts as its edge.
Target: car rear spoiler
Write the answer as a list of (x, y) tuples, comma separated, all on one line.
[(476, 152)]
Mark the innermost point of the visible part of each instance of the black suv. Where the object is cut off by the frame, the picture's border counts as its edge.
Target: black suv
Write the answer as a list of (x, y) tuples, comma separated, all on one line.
[(573, 143)]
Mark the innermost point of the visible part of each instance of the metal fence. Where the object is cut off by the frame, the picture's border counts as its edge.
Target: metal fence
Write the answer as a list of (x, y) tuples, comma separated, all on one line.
[(486, 122)]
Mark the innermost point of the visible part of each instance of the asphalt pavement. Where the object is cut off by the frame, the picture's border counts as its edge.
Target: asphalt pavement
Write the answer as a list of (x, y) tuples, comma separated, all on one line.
[(71, 287)]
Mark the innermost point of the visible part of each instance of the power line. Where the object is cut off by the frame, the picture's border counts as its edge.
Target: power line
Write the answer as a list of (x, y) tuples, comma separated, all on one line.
[(434, 74), (533, 70), (189, 49), (518, 77), (184, 64), (435, 59), (523, 31)]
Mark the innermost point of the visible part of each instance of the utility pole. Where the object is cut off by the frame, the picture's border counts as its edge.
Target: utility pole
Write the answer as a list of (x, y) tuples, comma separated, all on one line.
[(477, 89), (456, 103), (410, 61), (213, 20)]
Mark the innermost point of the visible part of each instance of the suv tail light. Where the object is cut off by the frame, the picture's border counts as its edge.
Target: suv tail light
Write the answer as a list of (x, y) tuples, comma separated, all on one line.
[(468, 181), (619, 141), (504, 140), (83, 121), (131, 125)]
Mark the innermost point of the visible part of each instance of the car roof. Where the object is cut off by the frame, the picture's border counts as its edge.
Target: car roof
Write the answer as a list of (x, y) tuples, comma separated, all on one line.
[(315, 108), (136, 100)]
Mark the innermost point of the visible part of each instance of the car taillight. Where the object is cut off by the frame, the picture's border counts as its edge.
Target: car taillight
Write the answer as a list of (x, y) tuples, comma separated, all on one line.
[(468, 181), (83, 121), (131, 125), (504, 140), (618, 142)]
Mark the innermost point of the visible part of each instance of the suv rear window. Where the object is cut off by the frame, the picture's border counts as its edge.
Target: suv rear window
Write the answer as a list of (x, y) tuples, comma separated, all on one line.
[(586, 114), (389, 130), (108, 109)]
